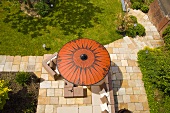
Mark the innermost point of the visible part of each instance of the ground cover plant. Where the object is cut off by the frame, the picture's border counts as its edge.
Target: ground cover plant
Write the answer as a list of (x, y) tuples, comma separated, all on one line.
[(22, 98), (155, 67), (21, 34)]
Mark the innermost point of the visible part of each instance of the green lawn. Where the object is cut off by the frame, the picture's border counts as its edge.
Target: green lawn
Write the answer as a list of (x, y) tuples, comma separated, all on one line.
[(70, 19)]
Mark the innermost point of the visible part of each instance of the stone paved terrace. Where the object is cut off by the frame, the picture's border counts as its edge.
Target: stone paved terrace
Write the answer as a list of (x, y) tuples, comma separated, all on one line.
[(128, 87)]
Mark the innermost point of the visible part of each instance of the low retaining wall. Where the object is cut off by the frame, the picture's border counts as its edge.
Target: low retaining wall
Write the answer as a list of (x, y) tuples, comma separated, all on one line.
[(158, 17)]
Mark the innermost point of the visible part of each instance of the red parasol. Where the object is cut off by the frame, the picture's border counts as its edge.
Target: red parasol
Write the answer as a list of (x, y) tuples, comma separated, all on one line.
[(83, 62)]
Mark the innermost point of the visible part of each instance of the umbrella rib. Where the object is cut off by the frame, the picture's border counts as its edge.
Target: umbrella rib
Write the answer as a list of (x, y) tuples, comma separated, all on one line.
[(68, 72), (92, 75), (74, 73), (96, 71), (88, 73)]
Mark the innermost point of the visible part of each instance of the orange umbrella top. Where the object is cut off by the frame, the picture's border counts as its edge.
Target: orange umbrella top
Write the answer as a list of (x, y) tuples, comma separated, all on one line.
[(83, 62)]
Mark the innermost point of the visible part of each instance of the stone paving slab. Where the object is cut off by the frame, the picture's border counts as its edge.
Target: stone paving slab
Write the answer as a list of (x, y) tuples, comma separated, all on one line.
[(85, 109), (1, 68), (17, 60), (23, 66), (15, 68), (67, 110), (8, 66), (2, 59), (9, 58)]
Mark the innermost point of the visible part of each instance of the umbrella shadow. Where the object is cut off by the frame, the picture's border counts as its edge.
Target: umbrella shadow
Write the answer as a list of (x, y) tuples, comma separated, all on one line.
[(117, 82)]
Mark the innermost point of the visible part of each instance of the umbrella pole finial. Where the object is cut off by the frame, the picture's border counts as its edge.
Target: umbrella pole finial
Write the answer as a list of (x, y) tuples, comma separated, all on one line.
[(83, 57)]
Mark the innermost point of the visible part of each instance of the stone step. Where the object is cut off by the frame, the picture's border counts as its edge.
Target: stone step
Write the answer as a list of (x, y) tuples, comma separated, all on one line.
[(134, 42), (157, 43), (149, 44), (127, 40), (138, 43), (143, 41)]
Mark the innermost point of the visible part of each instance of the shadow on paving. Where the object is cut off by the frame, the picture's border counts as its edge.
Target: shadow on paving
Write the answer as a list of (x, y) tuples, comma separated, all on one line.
[(72, 16), (116, 83)]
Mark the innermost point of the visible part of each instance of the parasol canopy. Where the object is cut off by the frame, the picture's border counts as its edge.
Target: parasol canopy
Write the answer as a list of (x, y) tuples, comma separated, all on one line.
[(83, 62)]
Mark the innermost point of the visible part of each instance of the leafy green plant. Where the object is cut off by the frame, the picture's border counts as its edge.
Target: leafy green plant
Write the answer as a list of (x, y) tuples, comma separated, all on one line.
[(166, 37), (136, 5), (145, 8), (126, 22), (148, 2), (42, 8), (136, 29), (143, 5), (133, 19), (22, 78), (140, 30), (132, 1), (155, 66), (130, 26), (3, 93), (131, 32), (166, 32)]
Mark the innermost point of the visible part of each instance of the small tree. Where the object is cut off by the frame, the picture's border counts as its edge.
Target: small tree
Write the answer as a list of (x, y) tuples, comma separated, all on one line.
[(3, 93)]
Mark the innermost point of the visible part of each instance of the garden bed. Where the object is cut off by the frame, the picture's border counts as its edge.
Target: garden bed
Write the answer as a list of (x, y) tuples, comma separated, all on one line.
[(22, 99)]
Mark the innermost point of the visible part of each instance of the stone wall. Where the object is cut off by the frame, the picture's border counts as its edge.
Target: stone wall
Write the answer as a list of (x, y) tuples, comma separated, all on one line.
[(158, 17)]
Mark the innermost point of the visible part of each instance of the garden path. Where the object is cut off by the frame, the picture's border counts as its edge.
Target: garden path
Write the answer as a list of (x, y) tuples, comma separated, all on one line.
[(128, 87)]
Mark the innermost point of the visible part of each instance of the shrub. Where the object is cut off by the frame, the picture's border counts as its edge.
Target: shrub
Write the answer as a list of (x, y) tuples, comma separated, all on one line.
[(133, 19), (166, 32), (3, 93), (145, 8), (155, 66), (42, 8), (133, 30), (126, 23), (136, 5), (143, 5), (132, 1), (22, 78), (140, 30), (166, 37)]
